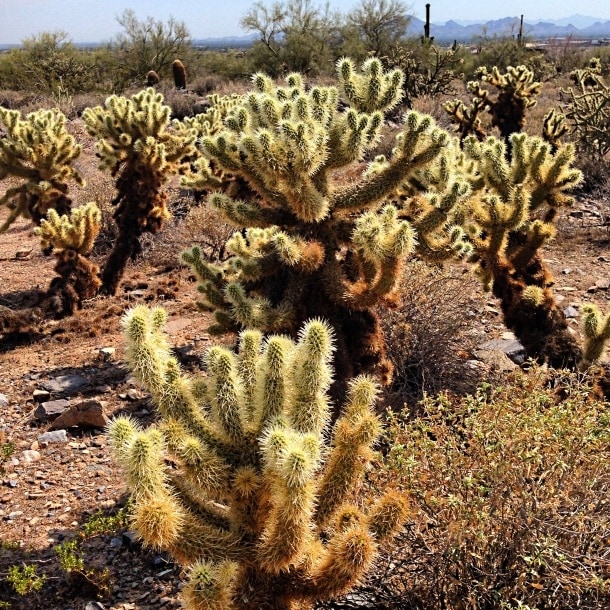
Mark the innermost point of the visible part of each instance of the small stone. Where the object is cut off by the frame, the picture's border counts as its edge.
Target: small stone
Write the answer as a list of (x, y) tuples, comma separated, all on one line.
[(23, 254), (41, 395), (3, 400), (30, 455), (571, 312), (602, 284), (51, 409), (566, 271), (130, 539), (54, 436), (133, 394), (14, 515), (87, 414), (94, 606), (592, 289), (103, 389), (115, 543), (106, 353)]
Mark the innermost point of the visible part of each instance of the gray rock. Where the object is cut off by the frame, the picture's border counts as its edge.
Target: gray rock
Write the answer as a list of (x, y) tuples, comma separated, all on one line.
[(65, 384), (52, 409), (54, 436), (87, 414), (3, 400), (94, 606), (571, 312), (496, 361), (511, 347)]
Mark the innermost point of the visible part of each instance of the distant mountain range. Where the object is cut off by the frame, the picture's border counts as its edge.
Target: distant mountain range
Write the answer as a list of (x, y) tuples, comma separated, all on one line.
[(576, 26)]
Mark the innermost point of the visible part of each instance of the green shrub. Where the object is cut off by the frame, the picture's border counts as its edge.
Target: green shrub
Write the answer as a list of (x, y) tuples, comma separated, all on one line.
[(512, 494)]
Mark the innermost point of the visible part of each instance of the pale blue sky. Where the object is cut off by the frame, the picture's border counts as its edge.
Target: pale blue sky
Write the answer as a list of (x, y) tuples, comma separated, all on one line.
[(93, 21)]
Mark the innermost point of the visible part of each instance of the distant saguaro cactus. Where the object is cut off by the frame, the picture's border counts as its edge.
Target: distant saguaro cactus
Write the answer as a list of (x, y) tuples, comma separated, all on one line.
[(260, 506), (179, 72), (152, 78)]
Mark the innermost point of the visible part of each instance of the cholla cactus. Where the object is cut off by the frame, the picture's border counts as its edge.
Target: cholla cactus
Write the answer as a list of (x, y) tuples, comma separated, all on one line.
[(71, 239), (588, 110), (136, 143), (310, 248), (516, 91), (596, 331), (39, 152), (508, 218), (258, 505)]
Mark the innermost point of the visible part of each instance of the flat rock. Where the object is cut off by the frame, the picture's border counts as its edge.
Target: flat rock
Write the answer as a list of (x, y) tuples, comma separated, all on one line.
[(511, 347), (30, 455), (177, 324), (3, 400), (54, 436), (571, 312), (87, 414), (65, 384), (51, 409)]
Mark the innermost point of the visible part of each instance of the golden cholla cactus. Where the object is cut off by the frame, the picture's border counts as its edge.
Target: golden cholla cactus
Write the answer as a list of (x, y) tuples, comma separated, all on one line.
[(137, 143), (260, 504), (508, 218), (39, 153), (308, 245), (596, 331), (71, 239), (515, 91)]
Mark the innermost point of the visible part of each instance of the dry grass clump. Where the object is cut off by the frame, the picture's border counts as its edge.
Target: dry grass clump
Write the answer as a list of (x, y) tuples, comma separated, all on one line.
[(510, 491), (193, 224), (429, 333)]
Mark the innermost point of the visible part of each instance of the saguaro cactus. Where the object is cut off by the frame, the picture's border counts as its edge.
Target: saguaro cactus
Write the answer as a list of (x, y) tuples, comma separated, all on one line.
[(136, 143), (259, 502), (310, 248), (179, 72), (39, 152)]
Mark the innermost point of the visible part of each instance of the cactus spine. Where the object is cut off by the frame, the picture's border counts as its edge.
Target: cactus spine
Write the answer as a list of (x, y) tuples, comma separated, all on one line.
[(39, 152), (136, 144), (260, 506)]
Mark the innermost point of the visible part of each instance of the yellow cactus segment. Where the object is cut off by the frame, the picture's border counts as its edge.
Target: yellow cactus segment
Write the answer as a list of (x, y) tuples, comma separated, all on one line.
[(209, 586)]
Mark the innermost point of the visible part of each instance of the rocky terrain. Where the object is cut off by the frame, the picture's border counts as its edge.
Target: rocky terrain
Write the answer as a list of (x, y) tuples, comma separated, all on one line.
[(63, 380)]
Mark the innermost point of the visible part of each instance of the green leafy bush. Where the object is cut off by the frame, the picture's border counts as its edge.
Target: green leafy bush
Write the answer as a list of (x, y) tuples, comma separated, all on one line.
[(511, 489)]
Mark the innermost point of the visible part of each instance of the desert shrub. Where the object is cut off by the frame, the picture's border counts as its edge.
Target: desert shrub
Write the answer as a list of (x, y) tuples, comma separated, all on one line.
[(429, 333), (511, 489), (193, 223)]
